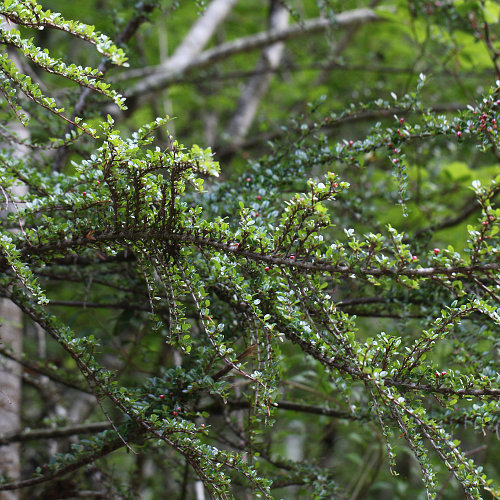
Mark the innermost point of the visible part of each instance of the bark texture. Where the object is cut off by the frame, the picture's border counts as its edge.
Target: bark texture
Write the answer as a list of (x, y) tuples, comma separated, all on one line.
[(257, 85), (11, 334), (11, 338)]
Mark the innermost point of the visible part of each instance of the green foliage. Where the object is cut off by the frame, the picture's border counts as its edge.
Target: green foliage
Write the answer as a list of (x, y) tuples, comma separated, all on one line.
[(231, 294)]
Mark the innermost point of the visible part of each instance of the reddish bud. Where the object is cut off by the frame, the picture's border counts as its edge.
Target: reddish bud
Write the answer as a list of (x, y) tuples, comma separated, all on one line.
[(335, 184), (459, 134), (402, 121), (249, 179), (292, 256), (443, 374), (161, 396), (351, 143), (485, 222), (266, 268), (436, 251), (179, 409), (174, 413), (84, 193), (394, 160), (259, 197), (414, 257), (326, 119)]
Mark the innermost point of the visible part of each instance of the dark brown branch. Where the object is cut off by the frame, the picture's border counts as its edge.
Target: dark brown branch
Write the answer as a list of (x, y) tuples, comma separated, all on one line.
[(141, 15), (35, 434), (360, 116), (305, 408), (249, 351), (343, 366), (318, 266), (375, 314), (470, 207), (441, 389), (113, 445), (100, 305), (329, 412), (45, 373), (361, 300)]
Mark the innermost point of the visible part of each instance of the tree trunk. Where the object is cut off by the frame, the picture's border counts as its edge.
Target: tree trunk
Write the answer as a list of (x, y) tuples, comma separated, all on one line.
[(11, 338), (11, 334)]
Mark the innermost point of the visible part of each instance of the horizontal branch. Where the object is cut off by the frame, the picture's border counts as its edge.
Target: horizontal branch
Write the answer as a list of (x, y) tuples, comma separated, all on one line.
[(333, 123), (304, 408), (55, 433), (342, 365), (34, 367), (442, 389), (362, 300), (100, 305), (470, 207), (291, 67), (153, 79), (147, 307), (105, 450), (270, 260)]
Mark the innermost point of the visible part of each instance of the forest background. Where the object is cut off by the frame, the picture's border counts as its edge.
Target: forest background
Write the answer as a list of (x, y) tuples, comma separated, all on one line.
[(302, 301)]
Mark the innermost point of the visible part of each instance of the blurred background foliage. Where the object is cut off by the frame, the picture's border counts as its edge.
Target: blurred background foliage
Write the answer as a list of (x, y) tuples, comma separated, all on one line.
[(331, 87)]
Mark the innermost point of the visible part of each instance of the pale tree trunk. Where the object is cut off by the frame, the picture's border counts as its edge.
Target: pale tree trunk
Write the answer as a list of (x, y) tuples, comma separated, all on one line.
[(194, 42), (11, 338), (174, 69), (11, 334), (257, 85)]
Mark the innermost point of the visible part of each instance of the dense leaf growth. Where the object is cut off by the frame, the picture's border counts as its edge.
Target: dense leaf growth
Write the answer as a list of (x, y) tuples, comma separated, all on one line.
[(334, 280)]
